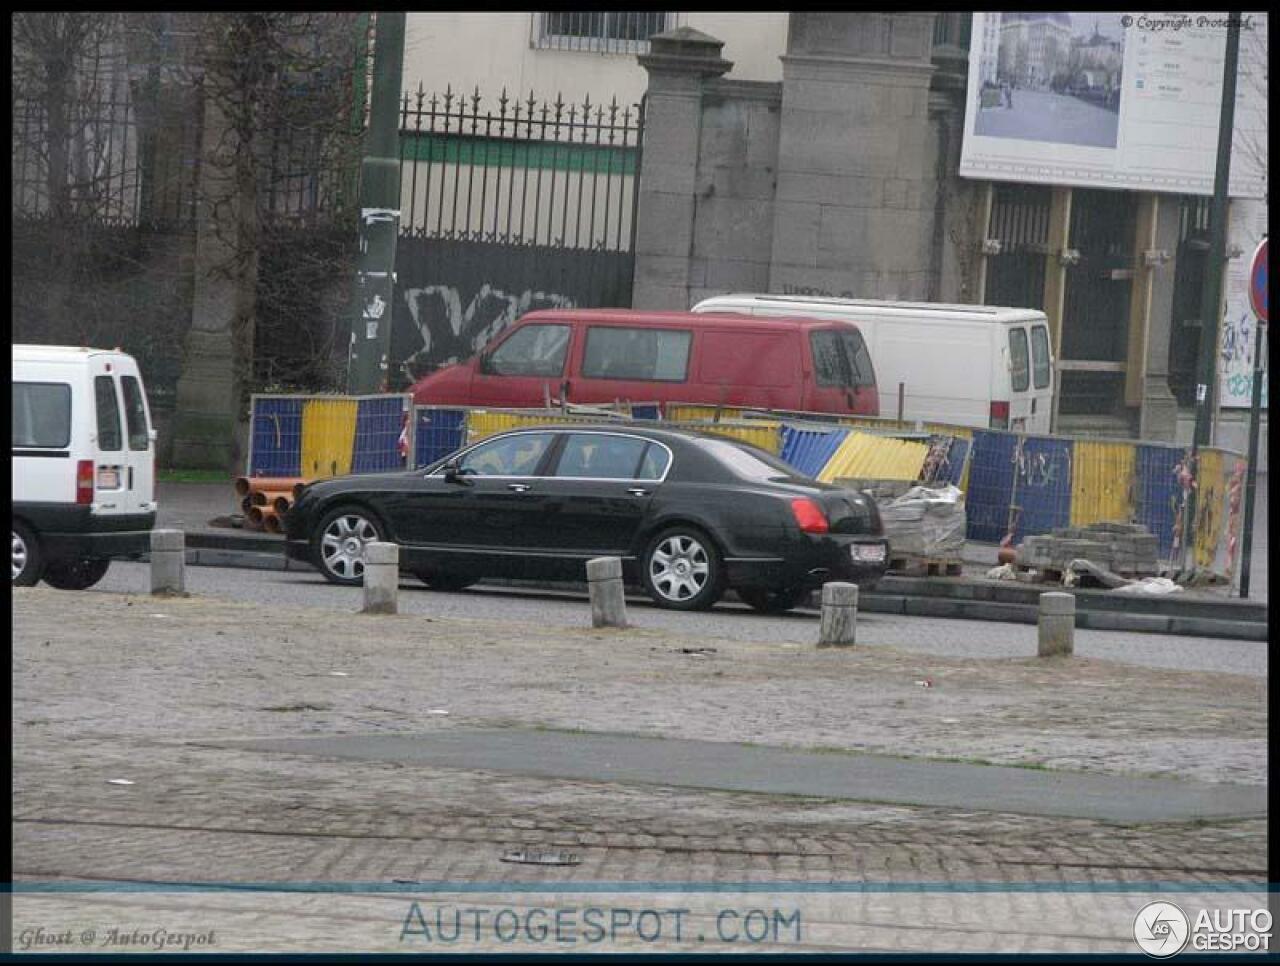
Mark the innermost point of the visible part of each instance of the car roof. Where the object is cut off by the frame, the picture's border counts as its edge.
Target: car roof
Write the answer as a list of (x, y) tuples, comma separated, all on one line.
[(36, 353), (702, 320)]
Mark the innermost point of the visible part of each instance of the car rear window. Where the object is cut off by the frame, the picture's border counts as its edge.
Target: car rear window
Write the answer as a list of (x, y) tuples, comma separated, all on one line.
[(747, 461), (135, 413), (657, 355), (104, 396), (41, 414), (1040, 356), (1019, 367)]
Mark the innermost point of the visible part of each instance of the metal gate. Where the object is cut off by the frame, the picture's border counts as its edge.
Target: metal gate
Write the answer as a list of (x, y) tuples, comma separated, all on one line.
[(1188, 293), (1095, 315), (1020, 223), (506, 208)]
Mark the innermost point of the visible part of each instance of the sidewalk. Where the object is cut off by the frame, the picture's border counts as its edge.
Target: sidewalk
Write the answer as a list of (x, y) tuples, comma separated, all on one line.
[(148, 740)]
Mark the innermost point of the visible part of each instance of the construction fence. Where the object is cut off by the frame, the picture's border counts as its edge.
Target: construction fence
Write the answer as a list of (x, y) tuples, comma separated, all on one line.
[(1016, 485)]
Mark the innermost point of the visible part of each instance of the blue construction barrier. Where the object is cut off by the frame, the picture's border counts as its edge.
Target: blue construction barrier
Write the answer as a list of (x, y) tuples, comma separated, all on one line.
[(379, 424), (809, 449), (277, 437), (1158, 493), (990, 485), (1041, 492), (437, 433)]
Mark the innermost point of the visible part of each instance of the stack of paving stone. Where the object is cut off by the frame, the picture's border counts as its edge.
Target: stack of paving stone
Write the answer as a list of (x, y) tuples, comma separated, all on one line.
[(1129, 549)]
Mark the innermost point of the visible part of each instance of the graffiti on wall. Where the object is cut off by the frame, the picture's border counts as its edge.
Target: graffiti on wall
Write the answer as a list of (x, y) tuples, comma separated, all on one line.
[(1247, 226), (451, 332)]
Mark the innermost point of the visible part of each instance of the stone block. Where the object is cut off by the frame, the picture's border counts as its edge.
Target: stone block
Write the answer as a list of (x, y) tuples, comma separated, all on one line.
[(795, 233), (664, 224)]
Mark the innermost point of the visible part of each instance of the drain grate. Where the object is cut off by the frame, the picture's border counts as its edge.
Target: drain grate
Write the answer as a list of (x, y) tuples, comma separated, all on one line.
[(541, 857)]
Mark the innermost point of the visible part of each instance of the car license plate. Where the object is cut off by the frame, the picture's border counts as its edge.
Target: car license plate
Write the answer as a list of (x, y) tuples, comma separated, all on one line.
[(868, 552)]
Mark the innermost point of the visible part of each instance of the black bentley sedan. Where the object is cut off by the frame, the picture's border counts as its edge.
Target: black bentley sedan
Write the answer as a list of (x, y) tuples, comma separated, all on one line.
[(690, 514)]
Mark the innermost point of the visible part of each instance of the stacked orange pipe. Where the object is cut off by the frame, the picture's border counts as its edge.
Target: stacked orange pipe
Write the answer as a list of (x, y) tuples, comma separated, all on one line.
[(265, 500)]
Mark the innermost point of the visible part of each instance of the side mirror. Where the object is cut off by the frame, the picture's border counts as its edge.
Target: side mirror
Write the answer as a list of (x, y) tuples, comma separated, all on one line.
[(451, 474)]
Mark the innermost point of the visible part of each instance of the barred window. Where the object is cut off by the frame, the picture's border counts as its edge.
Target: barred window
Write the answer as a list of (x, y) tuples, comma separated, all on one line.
[(608, 31)]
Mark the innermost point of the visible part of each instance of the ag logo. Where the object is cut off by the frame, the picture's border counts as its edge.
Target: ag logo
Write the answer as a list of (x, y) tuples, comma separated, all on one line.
[(1161, 929)]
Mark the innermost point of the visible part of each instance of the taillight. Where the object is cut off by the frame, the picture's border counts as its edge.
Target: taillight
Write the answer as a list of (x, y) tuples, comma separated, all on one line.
[(84, 481), (809, 516), (999, 415)]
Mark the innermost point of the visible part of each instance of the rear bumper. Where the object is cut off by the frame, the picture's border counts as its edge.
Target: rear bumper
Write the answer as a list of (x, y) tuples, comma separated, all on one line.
[(76, 534), (814, 563)]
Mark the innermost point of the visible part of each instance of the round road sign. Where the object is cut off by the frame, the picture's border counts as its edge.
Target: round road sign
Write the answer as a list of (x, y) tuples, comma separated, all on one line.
[(1258, 282)]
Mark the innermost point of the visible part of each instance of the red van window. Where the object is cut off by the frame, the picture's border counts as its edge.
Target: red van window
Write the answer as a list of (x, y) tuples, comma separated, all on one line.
[(739, 358), (658, 355)]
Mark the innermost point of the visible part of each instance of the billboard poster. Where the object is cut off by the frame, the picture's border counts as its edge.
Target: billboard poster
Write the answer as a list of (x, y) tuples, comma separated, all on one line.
[(1245, 229), (1112, 100)]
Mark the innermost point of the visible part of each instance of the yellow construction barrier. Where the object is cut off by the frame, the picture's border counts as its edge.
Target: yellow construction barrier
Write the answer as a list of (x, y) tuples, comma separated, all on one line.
[(328, 430), (762, 433), (867, 457), (1102, 482), (1211, 506), (485, 422)]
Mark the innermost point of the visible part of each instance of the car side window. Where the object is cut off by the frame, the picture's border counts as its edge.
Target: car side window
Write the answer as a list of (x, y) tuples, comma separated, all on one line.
[(654, 464), (135, 413), (104, 395), (1019, 367), (1040, 356), (533, 350), (517, 455), (830, 361), (658, 355), (601, 456), (41, 414)]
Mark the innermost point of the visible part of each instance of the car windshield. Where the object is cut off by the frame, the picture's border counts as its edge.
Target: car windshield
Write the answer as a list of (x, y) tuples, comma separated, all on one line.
[(749, 462)]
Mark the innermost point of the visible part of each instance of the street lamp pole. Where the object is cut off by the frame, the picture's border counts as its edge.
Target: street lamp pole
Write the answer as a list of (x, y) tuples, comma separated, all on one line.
[(1211, 306)]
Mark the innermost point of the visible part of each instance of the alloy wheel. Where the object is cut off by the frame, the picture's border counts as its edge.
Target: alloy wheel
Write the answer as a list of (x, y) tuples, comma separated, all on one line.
[(342, 545), (679, 567), (20, 554)]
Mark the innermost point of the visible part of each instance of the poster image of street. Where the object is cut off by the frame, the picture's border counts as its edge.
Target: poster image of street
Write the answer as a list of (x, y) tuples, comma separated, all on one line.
[(1052, 77)]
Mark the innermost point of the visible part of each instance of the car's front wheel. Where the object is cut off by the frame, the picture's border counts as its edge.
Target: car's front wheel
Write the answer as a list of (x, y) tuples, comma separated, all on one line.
[(75, 574), (340, 542), (682, 570), (773, 601), (28, 562)]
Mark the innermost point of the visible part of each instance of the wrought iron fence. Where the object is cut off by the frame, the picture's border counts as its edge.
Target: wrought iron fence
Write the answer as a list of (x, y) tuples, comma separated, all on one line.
[(519, 171)]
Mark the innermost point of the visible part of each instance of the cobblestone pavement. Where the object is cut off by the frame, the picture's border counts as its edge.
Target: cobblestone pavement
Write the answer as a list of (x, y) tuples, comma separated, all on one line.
[(109, 687)]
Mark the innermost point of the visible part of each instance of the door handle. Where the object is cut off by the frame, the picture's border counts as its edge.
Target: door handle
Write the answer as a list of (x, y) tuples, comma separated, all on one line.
[(637, 491), (131, 477), (518, 487)]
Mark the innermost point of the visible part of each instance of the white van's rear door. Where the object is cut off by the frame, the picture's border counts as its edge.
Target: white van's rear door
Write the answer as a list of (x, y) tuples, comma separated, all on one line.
[(1041, 380), (1020, 395), (124, 464), (140, 482)]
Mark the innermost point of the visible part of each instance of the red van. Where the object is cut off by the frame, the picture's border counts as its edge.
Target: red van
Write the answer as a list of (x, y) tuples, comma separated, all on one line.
[(603, 355)]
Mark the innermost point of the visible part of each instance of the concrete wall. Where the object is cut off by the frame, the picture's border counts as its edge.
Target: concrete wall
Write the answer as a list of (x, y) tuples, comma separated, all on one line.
[(494, 50)]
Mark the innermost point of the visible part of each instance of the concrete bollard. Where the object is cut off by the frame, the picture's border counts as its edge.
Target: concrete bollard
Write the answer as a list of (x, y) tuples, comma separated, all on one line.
[(381, 577), (168, 562), (839, 614), (604, 583), (1057, 624)]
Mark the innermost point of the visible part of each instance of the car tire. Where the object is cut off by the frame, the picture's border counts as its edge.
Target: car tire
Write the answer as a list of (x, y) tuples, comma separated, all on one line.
[(445, 582), (681, 569), (772, 601), (75, 574), (28, 560), (338, 543)]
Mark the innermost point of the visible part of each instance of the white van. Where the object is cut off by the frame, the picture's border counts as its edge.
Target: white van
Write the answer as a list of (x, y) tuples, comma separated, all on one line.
[(83, 464), (968, 365)]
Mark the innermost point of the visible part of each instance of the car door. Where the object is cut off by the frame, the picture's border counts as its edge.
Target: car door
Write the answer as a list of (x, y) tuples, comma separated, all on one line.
[(139, 492), (1019, 379), (525, 368), (599, 492), (1041, 380)]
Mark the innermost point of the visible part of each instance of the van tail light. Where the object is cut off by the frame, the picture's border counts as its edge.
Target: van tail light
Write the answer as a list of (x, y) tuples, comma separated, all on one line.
[(999, 415), (84, 482), (809, 516)]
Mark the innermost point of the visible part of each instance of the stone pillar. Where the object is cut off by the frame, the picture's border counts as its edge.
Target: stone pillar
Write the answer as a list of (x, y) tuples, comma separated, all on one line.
[(1057, 625), (1158, 419), (604, 586), (679, 63), (381, 578), (168, 562), (839, 624), (854, 210)]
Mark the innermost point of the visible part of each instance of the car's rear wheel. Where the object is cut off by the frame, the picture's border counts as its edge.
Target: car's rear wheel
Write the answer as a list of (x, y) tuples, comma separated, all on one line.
[(771, 601), (682, 570), (75, 574), (28, 561), (445, 582), (340, 541)]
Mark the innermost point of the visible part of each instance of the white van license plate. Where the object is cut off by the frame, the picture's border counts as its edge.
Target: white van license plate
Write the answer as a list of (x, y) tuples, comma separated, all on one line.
[(108, 478), (868, 552)]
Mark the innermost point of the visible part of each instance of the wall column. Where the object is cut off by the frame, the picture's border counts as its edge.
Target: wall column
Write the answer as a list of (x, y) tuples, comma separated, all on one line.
[(679, 63), (1158, 419)]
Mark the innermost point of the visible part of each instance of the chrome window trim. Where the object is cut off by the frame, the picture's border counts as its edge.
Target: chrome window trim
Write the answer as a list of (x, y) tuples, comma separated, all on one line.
[(561, 431)]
